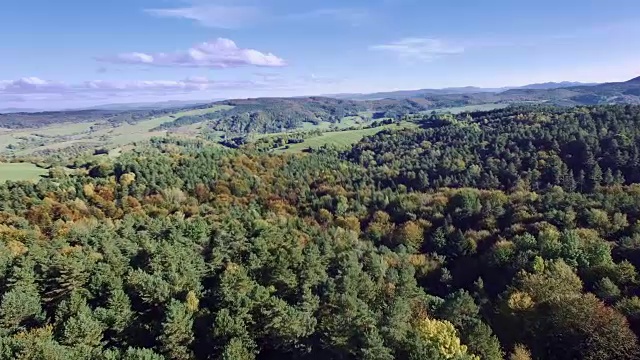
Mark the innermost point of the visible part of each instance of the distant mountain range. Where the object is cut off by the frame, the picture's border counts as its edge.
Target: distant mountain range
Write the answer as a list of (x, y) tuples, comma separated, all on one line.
[(18, 110), (262, 115), (627, 92), (396, 103), (171, 104), (271, 114), (405, 94), (151, 105)]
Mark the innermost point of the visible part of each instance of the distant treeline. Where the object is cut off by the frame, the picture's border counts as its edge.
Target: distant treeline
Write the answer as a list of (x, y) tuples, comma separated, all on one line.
[(268, 115), (42, 119)]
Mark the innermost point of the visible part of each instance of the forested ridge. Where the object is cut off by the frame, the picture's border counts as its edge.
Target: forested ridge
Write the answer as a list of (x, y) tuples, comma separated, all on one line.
[(273, 115), (509, 234), (509, 148), (49, 118)]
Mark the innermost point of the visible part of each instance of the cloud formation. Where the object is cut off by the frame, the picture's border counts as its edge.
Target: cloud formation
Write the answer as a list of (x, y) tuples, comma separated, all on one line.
[(28, 84), (420, 49), (211, 15), (220, 53), (34, 88), (34, 85)]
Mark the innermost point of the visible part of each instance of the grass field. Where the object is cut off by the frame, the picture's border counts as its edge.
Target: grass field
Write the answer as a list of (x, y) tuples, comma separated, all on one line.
[(61, 136), (204, 111), (20, 172), (63, 129), (345, 123), (13, 137), (325, 125), (350, 121), (127, 134), (90, 135), (342, 138), (8, 138), (468, 108)]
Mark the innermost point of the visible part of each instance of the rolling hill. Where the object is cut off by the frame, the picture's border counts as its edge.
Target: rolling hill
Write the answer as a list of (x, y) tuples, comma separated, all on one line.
[(627, 92), (563, 94), (405, 94), (268, 115)]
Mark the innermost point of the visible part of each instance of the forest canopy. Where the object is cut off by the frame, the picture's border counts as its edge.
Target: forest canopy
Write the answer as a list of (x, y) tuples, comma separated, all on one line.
[(513, 233)]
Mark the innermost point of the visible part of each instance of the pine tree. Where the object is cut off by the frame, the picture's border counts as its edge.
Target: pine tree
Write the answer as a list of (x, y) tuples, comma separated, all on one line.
[(36, 344), (83, 329), (582, 182), (374, 348), (20, 307), (619, 178), (117, 315), (141, 354), (608, 177), (595, 178), (569, 183), (177, 332), (237, 349)]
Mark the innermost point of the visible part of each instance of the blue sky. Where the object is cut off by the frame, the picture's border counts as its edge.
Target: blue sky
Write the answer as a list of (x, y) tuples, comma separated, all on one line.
[(69, 53)]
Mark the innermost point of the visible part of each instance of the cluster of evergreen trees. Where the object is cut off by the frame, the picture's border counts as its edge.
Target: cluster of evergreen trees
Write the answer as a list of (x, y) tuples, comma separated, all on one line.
[(577, 150), (463, 240)]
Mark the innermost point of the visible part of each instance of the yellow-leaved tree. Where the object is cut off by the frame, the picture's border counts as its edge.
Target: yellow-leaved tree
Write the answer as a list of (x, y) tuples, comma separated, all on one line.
[(441, 337)]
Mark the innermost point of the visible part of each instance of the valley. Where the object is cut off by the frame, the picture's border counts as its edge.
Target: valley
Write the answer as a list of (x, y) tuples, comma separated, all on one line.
[(319, 180), (55, 136)]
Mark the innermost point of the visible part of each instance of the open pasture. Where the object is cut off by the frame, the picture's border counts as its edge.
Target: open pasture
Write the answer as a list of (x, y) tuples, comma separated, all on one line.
[(20, 172)]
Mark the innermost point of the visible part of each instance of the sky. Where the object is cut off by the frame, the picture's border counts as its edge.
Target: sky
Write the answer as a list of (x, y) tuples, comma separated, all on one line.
[(76, 53)]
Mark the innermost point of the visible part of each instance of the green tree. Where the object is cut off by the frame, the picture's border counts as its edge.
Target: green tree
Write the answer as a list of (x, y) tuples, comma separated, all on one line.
[(20, 308), (461, 310), (373, 347), (608, 178), (83, 329), (177, 333), (117, 315), (237, 349), (595, 178), (141, 354), (607, 290)]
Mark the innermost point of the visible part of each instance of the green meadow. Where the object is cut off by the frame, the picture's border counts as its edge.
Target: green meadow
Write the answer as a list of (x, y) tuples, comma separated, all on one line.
[(343, 138), (20, 172)]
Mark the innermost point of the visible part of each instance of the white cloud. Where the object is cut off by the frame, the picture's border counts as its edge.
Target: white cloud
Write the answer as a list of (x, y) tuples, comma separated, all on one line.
[(217, 16), (154, 85), (34, 85), (34, 92), (421, 49), (221, 53), (29, 84), (136, 57)]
